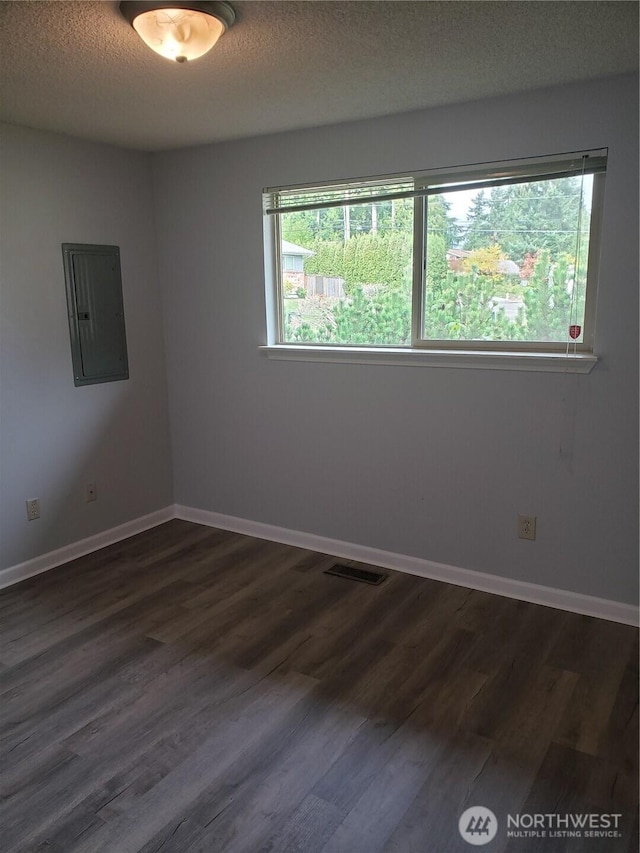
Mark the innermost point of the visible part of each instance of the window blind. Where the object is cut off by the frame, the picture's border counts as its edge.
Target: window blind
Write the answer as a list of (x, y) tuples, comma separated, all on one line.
[(371, 190)]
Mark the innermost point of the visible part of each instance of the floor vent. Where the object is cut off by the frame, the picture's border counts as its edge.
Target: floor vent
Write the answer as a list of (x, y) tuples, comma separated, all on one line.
[(353, 574)]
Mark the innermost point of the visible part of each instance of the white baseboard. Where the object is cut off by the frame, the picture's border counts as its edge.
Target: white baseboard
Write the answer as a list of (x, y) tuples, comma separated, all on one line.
[(561, 599), (50, 560)]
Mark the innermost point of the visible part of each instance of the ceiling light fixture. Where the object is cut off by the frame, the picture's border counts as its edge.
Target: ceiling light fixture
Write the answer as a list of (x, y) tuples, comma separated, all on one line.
[(179, 31)]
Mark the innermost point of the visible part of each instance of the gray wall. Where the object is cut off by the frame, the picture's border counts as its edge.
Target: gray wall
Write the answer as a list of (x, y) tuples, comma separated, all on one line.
[(55, 438), (433, 463)]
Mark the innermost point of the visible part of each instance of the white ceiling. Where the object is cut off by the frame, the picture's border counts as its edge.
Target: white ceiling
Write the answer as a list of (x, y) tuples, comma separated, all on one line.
[(80, 69)]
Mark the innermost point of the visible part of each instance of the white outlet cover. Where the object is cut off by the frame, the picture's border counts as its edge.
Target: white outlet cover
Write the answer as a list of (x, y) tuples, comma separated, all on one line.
[(527, 527), (33, 508)]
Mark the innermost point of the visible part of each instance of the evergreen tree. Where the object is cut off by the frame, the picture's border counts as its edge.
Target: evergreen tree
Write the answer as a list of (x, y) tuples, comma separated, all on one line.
[(528, 217), (476, 230), (548, 300), (440, 221), (383, 319), (382, 259)]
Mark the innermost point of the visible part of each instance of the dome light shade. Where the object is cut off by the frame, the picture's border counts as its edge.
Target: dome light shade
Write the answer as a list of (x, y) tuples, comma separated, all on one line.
[(179, 31)]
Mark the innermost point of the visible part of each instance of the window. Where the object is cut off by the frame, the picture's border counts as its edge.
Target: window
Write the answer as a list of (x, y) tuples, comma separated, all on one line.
[(500, 257), (292, 263)]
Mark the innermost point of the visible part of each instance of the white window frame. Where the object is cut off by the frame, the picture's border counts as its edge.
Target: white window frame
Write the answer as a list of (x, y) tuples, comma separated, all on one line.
[(521, 355)]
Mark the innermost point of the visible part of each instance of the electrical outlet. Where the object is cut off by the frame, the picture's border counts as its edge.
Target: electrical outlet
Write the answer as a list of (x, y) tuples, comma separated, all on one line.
[(526, 527), (92, 494), (33, 509)]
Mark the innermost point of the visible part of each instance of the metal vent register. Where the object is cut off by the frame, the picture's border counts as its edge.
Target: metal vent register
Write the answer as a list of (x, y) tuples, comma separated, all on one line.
[(353, 574)]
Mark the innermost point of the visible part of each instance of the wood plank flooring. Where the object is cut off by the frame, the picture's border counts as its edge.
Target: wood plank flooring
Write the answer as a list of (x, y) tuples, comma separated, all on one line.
[(192, 690)]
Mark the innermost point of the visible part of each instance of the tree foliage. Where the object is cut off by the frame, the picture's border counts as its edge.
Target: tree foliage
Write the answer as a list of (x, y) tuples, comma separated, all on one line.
[(526, 218), (364, 259)]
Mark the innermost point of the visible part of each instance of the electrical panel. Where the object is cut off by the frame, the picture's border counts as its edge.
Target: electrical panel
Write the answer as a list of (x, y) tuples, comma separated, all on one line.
[(96, 313)]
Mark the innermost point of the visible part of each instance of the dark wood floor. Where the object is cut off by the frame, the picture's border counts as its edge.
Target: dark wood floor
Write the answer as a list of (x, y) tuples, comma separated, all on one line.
[(197, 691)]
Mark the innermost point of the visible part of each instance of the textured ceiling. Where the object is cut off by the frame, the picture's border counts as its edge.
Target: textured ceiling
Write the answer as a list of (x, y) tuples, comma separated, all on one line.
[(79, 68)]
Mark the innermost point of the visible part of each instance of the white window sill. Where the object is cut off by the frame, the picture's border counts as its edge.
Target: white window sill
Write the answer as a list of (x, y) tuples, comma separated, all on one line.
[(477, 359)]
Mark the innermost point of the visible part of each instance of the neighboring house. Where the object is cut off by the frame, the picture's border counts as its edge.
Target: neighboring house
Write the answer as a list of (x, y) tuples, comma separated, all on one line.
[(455, 257), (293, 258)]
